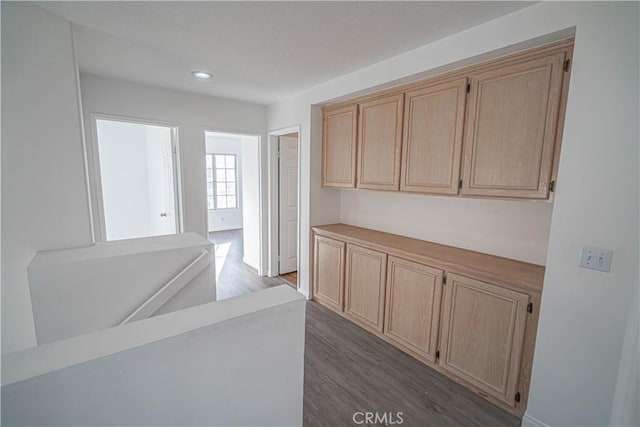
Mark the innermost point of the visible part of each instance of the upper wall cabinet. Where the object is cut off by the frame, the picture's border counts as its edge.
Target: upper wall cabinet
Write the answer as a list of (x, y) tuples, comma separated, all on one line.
[(512, 119), (379, 143), (489, 130), (432, 142), (339, 147)]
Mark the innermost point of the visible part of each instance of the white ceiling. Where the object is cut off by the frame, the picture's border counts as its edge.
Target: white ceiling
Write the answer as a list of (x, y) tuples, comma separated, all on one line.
[(258, 51)]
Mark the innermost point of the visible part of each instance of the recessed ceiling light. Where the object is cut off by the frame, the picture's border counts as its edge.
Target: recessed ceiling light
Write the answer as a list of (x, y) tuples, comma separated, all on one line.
[(201, 75)]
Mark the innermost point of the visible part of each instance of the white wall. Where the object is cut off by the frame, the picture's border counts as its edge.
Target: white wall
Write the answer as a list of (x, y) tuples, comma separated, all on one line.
[(252, 218), (44, 198), (227, 219), (584, 313), (82, 290), (193, 114), (507, 228), (236, 362), (626, 410)]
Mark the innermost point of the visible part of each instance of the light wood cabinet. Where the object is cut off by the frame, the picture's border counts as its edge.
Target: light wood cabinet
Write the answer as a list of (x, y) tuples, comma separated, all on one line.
[(483, 328), (470, 316), (412, 306), (339, 147), (328, 272), (379, 143), (489, 130), (512, 116), (365, 279), (432, 137)]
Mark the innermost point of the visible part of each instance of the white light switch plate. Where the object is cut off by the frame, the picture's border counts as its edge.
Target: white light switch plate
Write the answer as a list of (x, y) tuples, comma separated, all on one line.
[(596, 258)]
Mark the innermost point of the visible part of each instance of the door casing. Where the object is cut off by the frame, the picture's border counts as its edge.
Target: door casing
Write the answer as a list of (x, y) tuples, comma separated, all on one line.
[(274, 200), (95, 177)]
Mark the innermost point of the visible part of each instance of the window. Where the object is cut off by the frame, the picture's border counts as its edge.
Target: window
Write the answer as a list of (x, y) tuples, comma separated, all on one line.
[(221, 181)]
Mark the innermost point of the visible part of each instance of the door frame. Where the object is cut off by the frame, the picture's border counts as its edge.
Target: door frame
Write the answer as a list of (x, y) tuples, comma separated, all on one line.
[(95, 176), (274, 197), (262, 203)]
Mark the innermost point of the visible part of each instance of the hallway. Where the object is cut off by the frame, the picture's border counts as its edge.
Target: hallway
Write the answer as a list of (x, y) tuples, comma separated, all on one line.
[(233, 277)]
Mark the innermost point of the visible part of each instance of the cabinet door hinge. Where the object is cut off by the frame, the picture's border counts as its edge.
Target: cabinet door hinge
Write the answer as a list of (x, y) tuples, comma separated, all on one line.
[(468, 87), (460, 185), (565, 67), (552, 186), (517, 398), (530, 307), (444, 279), (437, 354)]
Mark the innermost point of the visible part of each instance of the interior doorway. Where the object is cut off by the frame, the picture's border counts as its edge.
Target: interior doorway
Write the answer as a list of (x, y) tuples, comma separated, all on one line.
[(284, 196), (137, 179), (288, 207), (234, 212)]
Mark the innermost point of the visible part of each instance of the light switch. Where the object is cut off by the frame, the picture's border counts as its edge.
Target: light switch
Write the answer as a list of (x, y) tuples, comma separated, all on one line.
[(596, 258)]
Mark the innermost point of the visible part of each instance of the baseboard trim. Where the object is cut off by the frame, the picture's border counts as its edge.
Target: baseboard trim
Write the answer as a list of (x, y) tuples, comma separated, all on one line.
[(529, 421), (255, 270), (304, 292)]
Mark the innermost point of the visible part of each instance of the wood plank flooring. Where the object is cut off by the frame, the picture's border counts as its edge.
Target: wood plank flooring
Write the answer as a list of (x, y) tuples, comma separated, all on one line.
[(233, 277), (349, 370), (291, 278)]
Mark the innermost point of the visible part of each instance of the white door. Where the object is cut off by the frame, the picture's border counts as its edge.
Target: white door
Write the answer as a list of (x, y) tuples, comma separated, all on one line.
[(137, 179), (162, 212), (288, 212)]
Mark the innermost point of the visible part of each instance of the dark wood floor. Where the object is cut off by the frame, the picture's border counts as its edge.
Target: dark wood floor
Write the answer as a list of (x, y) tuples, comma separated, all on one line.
[(233, 277), (349, 370)]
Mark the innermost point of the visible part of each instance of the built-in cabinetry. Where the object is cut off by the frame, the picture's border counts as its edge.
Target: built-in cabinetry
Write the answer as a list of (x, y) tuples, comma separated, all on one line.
[(492, 130), (328, 274), (365, 277), (339, 147), (511, 127), (379, 143), (413, 299), (432, 144), (482, 337), (469, 315)]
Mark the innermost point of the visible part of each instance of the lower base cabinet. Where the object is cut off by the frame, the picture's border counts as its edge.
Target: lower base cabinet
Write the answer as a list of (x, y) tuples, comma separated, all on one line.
[(478, 332), (365, 278), (482, 335), (412, 303), (328, 272)]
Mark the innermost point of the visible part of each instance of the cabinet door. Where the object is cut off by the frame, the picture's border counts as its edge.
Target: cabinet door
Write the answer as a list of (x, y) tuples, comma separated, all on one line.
[(483, 329), (512, 117), (339, 147), (328, 272), (432, 138), (379, 143), (366, 274), (412, 306)]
